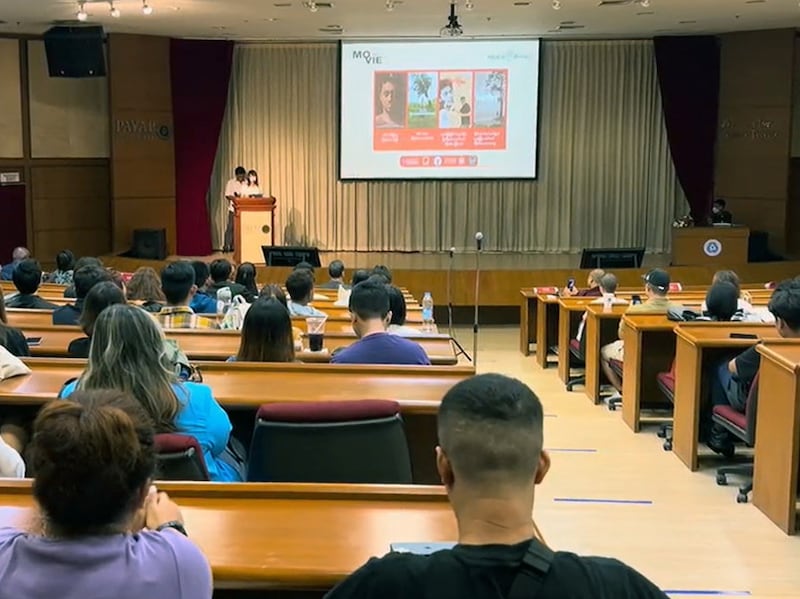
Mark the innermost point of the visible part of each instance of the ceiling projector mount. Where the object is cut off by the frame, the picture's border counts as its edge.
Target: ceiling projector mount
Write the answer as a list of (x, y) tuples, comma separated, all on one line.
[(453, 27)]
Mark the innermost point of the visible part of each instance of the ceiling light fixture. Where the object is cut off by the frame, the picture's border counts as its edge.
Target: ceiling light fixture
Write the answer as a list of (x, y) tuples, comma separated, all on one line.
[(453, 27), (556, 4), (81, 15), (468, 5), (114, 10), (312, 6), (644, 3), (390, 5), (146, 8)]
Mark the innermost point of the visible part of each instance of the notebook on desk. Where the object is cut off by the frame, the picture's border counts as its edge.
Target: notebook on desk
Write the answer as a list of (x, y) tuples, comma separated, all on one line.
[(420, 548)]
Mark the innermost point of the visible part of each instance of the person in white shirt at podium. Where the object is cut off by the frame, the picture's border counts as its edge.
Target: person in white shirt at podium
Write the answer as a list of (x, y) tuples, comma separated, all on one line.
[(234, 188), (251, 188)]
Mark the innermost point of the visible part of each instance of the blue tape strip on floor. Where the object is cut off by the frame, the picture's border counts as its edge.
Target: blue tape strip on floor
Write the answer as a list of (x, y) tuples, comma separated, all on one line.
[(589, 500), (710, 593)]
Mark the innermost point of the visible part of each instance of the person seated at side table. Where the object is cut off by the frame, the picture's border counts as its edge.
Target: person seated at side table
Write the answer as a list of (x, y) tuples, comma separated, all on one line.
[(592, 284), (370, 315), (27, 277), (266, 334), (490, 459), (300, 285), (100, 529), (101, 296), (85, 278), (397, 306), (177, 283)]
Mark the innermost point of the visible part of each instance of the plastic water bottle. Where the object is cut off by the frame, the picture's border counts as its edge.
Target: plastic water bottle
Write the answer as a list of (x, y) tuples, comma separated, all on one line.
[(427, 312), (224, 300)]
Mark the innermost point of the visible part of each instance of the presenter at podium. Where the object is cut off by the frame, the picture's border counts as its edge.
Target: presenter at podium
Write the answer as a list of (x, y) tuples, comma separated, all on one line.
[(719, 215), (252, 189), (234, 188)]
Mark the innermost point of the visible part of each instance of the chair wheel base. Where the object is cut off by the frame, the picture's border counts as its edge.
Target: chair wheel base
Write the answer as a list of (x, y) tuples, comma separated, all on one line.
[(667, 445), (662, 434), (741, 498), (722, 480)]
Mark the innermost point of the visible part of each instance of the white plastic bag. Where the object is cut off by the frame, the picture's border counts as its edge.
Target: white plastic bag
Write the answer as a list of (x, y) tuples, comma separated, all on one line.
[(234, 317)]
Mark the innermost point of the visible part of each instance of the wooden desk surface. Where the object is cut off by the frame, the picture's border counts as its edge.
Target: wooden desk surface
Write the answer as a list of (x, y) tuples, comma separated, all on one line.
[(418, 389), (286, 536), (205, 344)]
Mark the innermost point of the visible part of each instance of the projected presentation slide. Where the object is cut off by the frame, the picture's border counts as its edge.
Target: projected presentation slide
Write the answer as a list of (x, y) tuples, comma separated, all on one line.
[(439, 110)]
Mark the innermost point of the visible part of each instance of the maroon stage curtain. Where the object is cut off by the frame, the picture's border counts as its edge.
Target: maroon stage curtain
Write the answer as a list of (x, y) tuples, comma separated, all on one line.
[(200, 72), (688, 73)]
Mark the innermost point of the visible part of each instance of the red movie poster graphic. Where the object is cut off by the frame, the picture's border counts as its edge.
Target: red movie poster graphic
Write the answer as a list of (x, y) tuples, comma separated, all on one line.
[(438, 111)]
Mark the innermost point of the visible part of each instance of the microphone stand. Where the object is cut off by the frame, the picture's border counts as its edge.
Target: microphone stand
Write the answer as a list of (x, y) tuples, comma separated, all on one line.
[(460, 348), (475, 325)]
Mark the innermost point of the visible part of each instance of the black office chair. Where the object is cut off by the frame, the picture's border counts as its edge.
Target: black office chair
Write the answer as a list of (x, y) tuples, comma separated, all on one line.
[(577, 359), (666, 384), (179, 457), (330, 442), (743, 427), (616, 367)]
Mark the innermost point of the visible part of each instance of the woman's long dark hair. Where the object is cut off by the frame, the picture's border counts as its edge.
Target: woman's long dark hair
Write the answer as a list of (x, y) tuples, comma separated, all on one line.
[(266, 333), (246, 276)]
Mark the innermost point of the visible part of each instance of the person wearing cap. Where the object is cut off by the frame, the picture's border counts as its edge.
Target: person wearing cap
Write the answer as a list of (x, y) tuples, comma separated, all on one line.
[(656, 287)]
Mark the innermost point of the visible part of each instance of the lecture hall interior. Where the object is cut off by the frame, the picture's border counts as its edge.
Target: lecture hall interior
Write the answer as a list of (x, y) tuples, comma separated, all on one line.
[(656, 136)]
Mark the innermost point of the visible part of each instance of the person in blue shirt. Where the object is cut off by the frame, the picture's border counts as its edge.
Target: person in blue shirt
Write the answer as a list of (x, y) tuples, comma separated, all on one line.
[(202, 302), (370, 315), (300, 285), (127, 354), (18, 255)]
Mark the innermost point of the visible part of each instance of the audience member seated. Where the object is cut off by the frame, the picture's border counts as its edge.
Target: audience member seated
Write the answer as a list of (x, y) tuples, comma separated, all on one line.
[(384, 271), (27, 278), (336, 273), (65, 263), (69, 292), (267, 334), (127, 354), (721, 303), (304, 266), (10, 338), (656, 287), (490, 459), (734, 378), (99, 528), (221, 271), (397, 307), (729, 276), (359, 276), (608, 291), (276, 291), (18, 255), (177, 283), (202, 302), (593, 282), (300, 286), (369, 311), (246, 277), (101, 296), (144, 289), (85, 278)]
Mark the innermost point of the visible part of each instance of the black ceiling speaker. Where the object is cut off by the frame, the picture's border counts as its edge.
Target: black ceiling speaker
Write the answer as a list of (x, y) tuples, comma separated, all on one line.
[(75, 52)]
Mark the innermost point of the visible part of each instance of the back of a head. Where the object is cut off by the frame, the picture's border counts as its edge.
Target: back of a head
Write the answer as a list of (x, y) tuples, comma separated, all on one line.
[(300, 285), (128, 354), (608, 283), (722, 300), (785, 304), (20, 253), (336, 269), (596, 276), (27, 276), (658, 281), (100, 296), (397, 304), (92, 456), (267, 333), (490, 427), (274, 291), (87, 261), (177, 280), (304, 266), (220, 270), (359, 276), (201, 273), (379, 279), (727, 276), (369, 301), (87, 277), (65, 260), (145, 285), (240, 171), (246, 276), (720, 203), (380, 269)]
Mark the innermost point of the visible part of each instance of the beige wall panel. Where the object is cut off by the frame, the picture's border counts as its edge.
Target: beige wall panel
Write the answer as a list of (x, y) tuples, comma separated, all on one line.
[(10, 100), (69, 117)]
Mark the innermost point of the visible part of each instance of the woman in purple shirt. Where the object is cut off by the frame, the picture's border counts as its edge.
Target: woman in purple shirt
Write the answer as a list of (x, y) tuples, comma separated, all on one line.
[(100, 530)]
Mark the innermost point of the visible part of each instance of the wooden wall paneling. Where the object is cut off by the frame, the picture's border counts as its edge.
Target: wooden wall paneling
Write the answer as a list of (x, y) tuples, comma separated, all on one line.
[(11, 145)]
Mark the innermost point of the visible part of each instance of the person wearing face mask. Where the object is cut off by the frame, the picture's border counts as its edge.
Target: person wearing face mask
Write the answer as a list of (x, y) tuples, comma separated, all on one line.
[(719, 215), (252, 190)]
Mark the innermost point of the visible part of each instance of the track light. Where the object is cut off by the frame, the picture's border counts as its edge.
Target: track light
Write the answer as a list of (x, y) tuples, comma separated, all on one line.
[(81, 15), (312, 6), (645, 3), (146, 8), (556, 4), (468, 5), (390, 6), (114, 10)]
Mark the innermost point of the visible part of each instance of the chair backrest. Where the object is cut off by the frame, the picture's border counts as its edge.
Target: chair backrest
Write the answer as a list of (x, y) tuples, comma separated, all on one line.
[(750, 410), (180, 458), (330, 442)]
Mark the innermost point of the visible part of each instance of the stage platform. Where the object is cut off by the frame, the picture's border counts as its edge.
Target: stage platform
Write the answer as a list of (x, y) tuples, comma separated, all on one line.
[(501, 274)]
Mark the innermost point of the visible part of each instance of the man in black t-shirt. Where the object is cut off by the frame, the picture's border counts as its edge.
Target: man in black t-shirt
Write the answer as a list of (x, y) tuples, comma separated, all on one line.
[(734, 378), (490, 459)]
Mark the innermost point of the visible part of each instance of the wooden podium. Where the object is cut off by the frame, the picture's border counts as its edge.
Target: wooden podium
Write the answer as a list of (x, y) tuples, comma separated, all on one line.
[(720, 247), (253, 226)]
